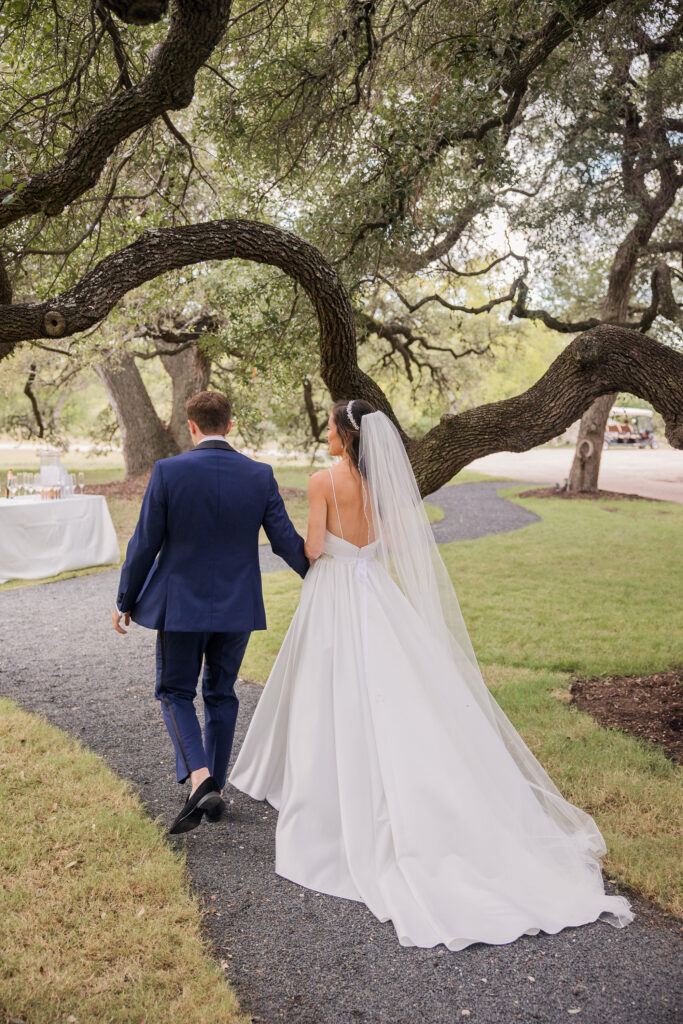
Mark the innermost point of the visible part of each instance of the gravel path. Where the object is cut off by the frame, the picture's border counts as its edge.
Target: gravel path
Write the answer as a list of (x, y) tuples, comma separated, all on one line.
[(477, 510), (293, 955)]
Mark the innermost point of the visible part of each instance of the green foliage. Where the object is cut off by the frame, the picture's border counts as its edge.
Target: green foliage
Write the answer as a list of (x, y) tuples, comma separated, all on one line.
[(357, 128)]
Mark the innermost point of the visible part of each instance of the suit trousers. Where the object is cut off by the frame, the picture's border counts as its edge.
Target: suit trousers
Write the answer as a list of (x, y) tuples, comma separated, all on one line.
[(179, 659)]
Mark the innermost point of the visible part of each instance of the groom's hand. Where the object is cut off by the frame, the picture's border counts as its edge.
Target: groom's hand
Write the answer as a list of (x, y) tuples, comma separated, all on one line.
[(116, 617)]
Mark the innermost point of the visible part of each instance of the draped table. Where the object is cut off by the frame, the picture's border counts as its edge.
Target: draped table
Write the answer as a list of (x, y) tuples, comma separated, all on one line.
[(43, 538)]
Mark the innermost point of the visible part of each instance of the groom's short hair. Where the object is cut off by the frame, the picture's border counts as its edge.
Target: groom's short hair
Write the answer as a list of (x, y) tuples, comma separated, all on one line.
[(211, 411)]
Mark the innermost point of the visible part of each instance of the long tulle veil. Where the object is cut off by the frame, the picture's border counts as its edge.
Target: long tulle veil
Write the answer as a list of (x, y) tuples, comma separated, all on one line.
[(409, 552)]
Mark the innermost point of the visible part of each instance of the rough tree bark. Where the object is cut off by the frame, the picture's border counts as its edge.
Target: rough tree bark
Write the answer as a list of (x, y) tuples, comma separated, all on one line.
[(159, 250), (144, 437), (603, 360), (190, 371), (194, 31)]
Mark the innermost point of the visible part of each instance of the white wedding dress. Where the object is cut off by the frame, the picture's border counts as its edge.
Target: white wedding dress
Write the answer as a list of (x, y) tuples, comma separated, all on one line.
[(398, 780)]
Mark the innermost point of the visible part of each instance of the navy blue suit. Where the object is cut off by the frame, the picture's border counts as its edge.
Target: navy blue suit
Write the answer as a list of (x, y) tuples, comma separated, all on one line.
[(192, 573)]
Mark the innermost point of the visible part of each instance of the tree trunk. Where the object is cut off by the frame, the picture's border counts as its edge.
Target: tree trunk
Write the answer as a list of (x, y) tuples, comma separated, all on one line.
[(144, 436), (585, 470), (189, 371)]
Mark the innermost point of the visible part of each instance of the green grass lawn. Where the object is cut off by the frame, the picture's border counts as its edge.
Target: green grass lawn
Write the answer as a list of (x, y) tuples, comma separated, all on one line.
[(593, 588), (97, 923), (97, 468)]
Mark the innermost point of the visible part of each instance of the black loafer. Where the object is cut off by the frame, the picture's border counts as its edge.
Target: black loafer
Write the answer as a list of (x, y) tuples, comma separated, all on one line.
[(216, 812), (204, 798)]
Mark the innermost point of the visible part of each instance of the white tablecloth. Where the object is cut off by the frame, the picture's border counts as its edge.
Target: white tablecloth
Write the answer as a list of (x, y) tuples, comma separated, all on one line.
[(43, 538)]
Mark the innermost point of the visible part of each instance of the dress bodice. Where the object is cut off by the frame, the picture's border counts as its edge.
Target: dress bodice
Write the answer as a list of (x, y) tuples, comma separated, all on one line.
[(337, 547)]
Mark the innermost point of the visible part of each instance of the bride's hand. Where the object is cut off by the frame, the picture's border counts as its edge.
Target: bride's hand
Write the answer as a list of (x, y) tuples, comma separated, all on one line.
[(317, 516)]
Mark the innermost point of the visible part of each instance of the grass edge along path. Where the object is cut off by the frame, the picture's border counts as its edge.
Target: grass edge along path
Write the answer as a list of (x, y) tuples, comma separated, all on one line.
[(97, 922)]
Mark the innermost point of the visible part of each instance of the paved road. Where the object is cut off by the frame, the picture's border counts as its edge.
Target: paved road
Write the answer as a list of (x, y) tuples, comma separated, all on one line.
[(651, 473), (293, 955)]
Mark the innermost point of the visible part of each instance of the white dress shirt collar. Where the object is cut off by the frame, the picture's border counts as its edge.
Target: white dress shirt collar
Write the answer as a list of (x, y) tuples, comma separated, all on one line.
[(212, 437)]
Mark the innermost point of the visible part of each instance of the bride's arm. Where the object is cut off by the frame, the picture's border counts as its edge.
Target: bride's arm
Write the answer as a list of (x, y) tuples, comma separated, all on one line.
[(317, 515)]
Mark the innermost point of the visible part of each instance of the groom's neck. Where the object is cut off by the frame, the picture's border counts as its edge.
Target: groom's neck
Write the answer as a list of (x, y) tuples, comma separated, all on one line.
[(208, 437)]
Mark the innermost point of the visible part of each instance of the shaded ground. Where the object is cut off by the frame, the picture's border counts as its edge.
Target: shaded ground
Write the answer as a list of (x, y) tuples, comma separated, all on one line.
[(134, 488), (477, 510), (650, 707), (550, 492)]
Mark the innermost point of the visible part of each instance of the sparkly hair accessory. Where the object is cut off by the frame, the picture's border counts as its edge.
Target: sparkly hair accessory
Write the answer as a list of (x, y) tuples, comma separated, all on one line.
[(350, 416)]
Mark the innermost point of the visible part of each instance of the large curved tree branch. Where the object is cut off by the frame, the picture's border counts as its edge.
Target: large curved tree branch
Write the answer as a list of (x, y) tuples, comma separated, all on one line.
[(604, 359), (159, 250), (194, 31), (600, 361)]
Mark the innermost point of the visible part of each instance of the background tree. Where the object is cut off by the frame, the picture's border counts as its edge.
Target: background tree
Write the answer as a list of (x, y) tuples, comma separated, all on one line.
[(613, 182)]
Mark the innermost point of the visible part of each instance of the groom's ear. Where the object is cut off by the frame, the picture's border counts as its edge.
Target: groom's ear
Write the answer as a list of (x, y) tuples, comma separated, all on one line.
[(229, 428)]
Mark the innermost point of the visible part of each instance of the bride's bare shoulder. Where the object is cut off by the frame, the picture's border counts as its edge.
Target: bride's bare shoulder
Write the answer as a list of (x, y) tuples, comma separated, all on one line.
[(318, 482)]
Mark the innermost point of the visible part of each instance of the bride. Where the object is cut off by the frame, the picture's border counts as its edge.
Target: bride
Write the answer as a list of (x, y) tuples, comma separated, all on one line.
[(398, 780)]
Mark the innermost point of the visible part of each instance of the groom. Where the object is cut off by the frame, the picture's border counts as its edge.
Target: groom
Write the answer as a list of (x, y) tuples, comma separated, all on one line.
[(201, 516)]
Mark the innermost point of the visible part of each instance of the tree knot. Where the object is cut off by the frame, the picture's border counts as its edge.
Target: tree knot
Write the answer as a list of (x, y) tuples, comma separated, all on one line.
[(54, 323), (181, 96), (587, 350)]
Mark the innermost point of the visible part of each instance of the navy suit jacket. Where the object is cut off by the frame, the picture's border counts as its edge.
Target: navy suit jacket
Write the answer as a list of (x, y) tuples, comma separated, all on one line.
[(201, 515)]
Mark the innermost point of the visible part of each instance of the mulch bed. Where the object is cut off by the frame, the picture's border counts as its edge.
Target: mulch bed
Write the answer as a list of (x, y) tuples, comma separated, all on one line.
[(650, 707), (133, 487), (550, 492)]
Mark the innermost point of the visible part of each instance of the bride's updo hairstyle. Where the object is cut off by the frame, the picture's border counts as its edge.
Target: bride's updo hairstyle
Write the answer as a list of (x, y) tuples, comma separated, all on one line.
[(347, 416)]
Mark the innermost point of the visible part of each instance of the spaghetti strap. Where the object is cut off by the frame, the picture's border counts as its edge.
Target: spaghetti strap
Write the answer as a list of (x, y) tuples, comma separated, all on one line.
[(336, 505)]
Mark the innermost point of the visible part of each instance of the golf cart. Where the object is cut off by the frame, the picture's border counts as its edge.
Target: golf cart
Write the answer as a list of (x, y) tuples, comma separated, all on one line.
[(630, 427)]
